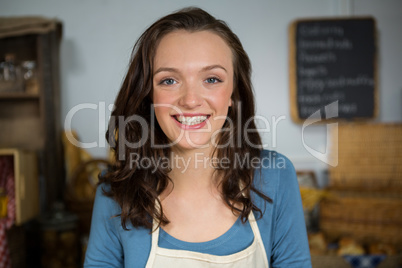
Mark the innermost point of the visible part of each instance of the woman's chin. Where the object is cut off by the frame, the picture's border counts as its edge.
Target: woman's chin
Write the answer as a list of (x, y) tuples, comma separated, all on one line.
[(189, 145)]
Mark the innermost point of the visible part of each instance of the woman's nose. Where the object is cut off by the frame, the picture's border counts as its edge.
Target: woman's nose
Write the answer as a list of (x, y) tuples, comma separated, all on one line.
[(191, 97)]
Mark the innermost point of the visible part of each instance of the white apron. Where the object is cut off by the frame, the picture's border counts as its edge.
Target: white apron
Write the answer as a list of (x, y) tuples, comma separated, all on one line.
[(252, 257)]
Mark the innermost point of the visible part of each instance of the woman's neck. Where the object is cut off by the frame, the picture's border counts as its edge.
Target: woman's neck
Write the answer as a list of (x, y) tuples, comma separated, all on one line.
[(192, 171)]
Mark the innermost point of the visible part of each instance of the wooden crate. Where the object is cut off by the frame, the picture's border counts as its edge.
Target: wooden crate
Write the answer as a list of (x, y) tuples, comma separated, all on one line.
[(367, 217), (369, 157), (26, 184), (329, 261)]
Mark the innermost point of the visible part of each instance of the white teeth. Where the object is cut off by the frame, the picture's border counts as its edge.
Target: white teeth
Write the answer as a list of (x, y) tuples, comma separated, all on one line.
[(191, 120)]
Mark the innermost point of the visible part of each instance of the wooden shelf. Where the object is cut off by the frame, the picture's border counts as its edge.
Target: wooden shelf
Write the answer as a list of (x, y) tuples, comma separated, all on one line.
[(30, 130), (32, 121), (17, 95)]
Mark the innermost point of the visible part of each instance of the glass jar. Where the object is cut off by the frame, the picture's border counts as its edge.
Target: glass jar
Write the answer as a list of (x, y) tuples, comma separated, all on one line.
[(30, 77), (9, 68), (10, 77)]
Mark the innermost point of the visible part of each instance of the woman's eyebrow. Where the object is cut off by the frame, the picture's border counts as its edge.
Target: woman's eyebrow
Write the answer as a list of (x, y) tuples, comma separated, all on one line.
[(210, 67), (174, 70), (166, 69)]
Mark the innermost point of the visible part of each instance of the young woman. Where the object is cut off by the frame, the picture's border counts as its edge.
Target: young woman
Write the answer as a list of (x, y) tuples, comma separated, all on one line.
[(191, 185)]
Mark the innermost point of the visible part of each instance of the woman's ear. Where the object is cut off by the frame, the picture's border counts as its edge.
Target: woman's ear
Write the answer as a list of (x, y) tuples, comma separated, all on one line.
[(230, 102)]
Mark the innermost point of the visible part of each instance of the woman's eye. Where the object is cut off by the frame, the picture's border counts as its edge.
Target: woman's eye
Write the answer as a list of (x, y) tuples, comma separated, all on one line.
[(213, 80), (168, 81)]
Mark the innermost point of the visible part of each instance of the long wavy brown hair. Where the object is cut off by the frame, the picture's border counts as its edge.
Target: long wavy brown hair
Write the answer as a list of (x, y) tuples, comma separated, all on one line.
[(133, 129)]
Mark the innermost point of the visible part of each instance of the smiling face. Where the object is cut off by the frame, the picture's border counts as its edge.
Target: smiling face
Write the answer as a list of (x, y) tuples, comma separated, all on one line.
[(192, 87)]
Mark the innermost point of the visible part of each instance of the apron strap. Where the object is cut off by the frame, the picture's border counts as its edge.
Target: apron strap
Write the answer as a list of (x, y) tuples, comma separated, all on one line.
[(257, 235), (154, 241)]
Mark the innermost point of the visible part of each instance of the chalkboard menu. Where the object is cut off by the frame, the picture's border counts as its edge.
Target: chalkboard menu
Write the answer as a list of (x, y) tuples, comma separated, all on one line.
[(333, 60)]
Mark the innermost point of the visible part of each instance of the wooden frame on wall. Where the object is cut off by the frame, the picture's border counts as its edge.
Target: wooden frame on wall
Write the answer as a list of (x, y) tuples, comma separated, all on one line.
[(341, 64)]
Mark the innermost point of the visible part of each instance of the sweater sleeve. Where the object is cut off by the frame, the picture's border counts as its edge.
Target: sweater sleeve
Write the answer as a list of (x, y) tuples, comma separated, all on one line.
[(104, 247), (290, 245)]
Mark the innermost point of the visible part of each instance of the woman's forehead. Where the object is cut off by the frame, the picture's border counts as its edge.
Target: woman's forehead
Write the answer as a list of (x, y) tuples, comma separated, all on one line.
[(200, 47)]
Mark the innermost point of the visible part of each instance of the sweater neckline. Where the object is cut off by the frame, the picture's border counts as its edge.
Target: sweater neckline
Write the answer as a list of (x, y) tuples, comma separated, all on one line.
[(196, 246)]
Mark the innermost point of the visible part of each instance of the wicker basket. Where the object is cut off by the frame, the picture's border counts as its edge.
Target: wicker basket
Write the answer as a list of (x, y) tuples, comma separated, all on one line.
[(369, 157), (80, 193), (327, 261), (367, 217)]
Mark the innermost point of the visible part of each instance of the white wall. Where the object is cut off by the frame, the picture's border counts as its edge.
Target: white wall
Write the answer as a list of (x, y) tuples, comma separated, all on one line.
[(99, 35)]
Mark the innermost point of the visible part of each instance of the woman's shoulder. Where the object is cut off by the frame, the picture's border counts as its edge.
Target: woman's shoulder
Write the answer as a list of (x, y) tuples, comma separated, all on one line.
[(275, 158), (103, 200), (273, 172), (273, 162)]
